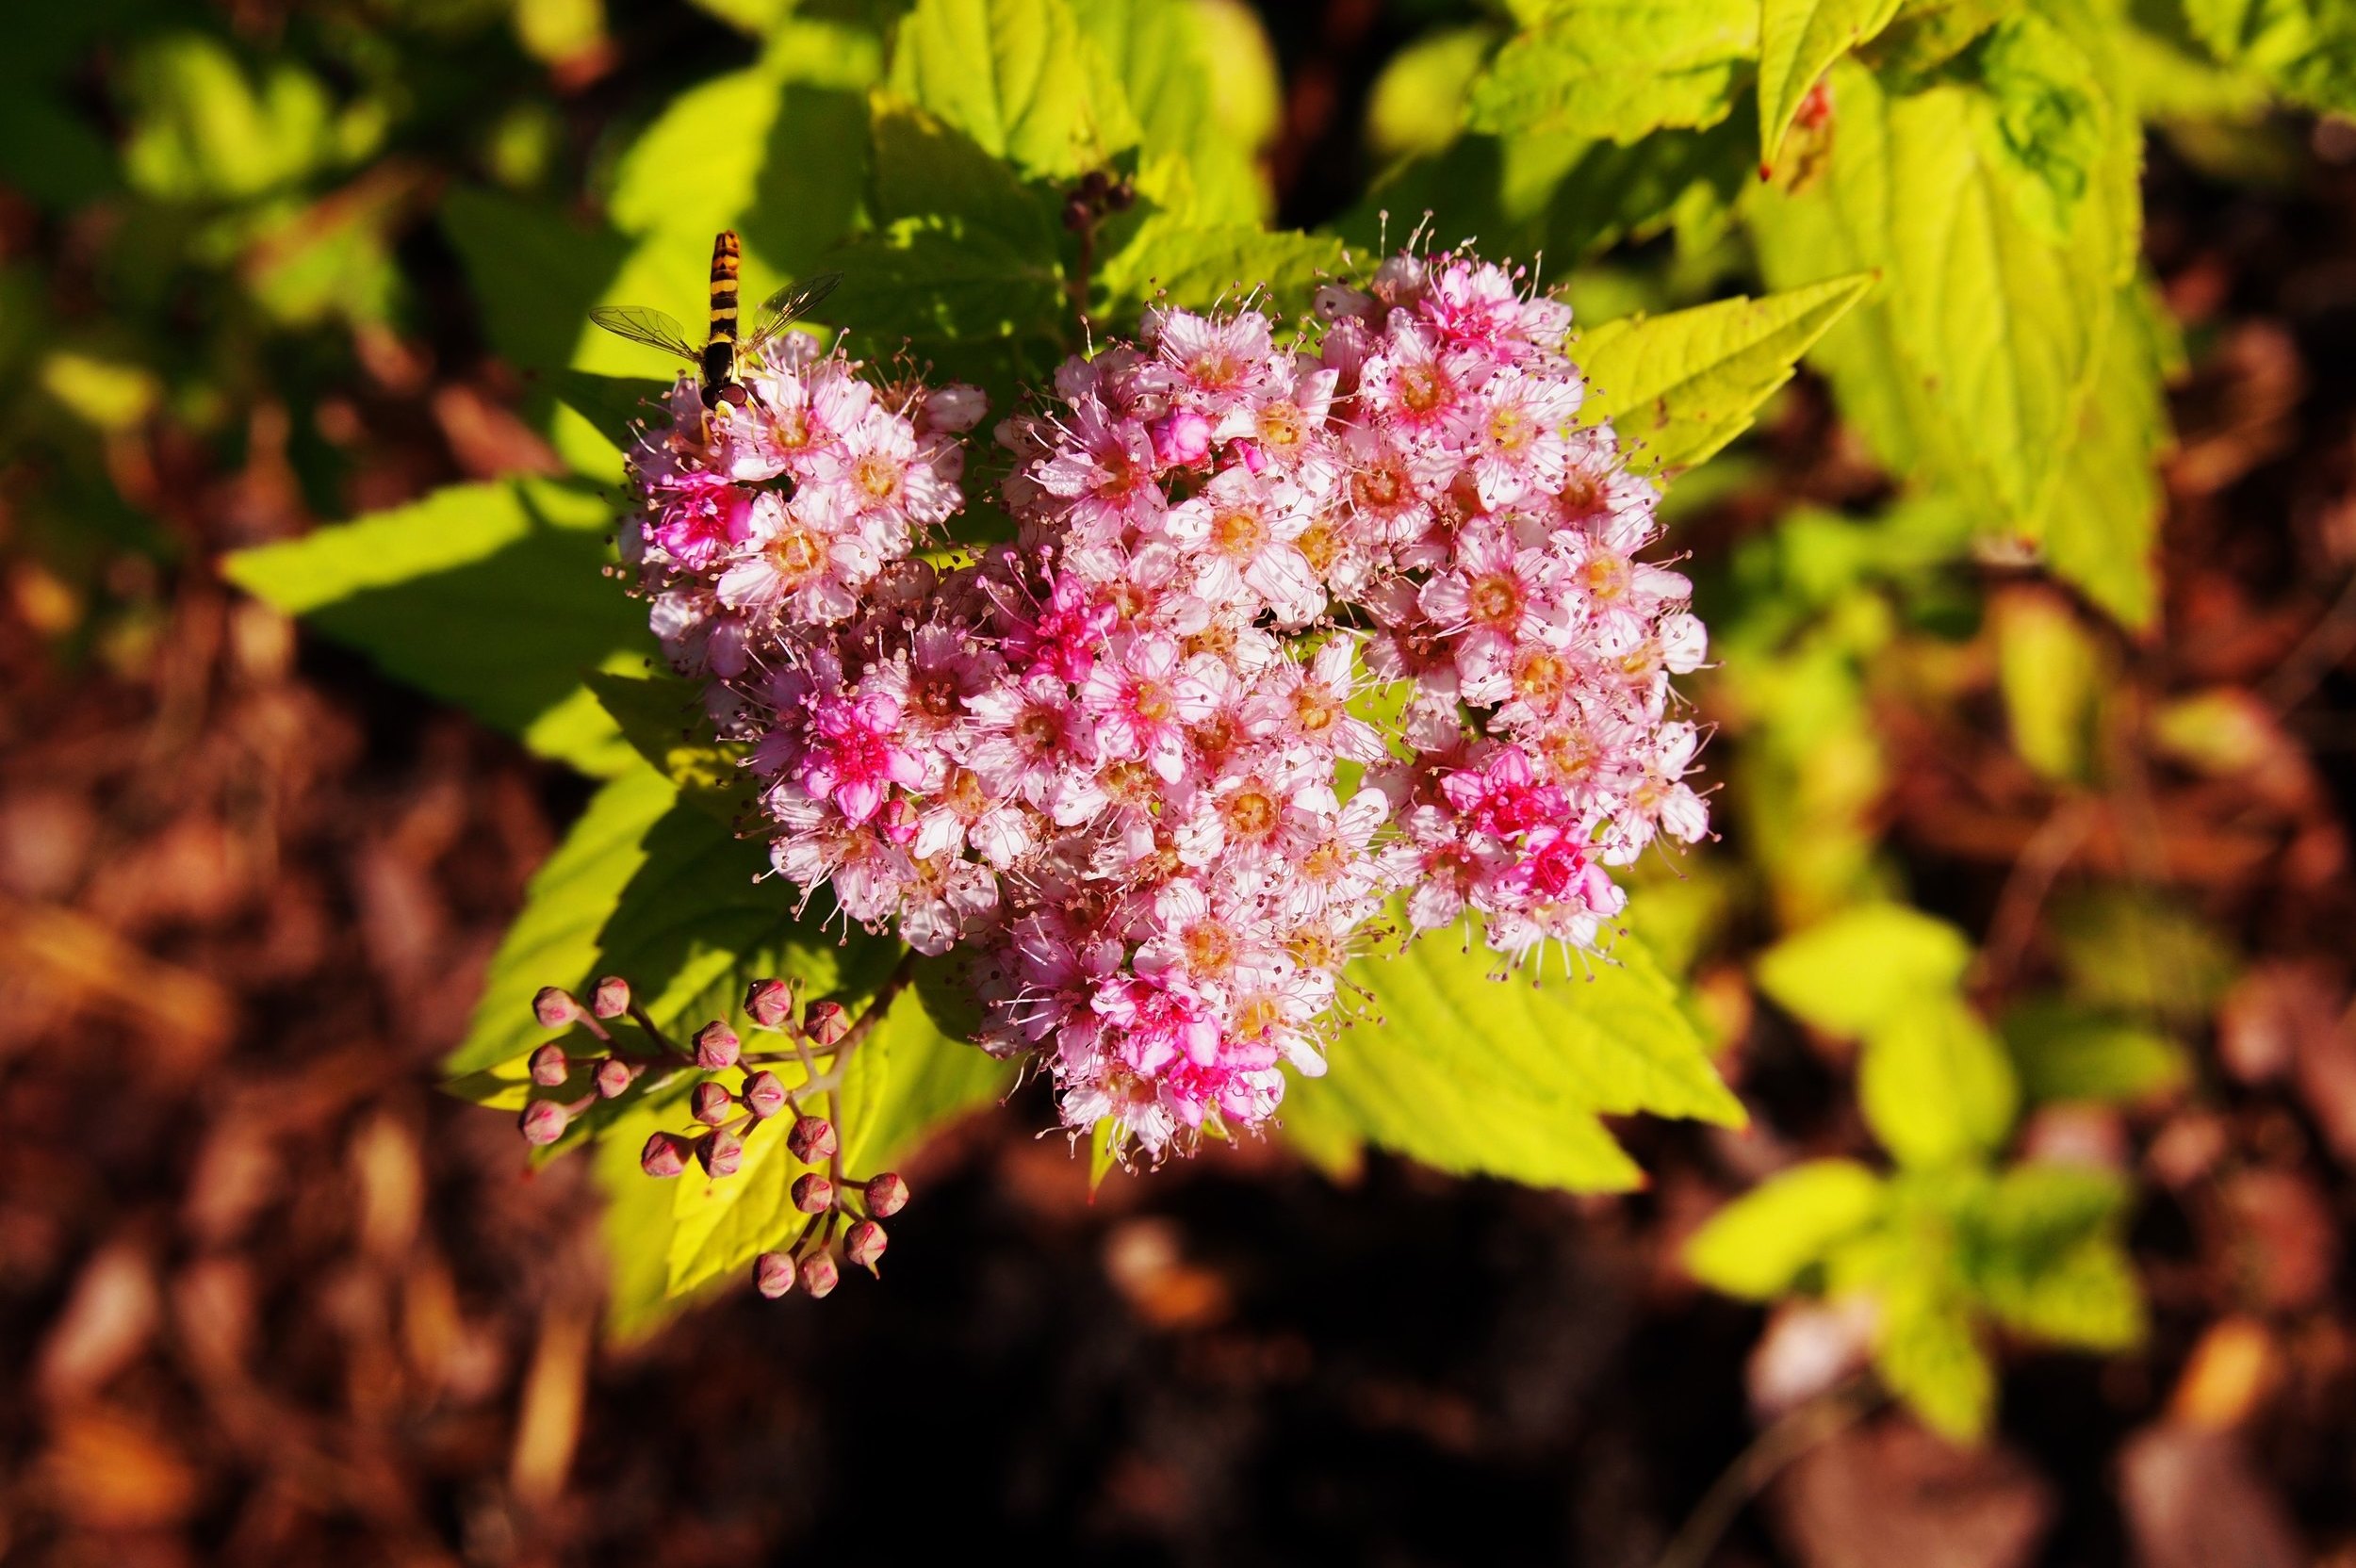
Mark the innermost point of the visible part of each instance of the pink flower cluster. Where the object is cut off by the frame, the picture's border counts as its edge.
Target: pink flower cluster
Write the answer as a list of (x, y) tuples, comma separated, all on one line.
[(1287, 633)]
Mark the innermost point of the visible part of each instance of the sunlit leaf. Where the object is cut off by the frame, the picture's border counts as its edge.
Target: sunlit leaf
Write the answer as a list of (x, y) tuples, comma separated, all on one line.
[(1854, 972), (1475, 1074), (1680, 386), (1618, 68), (1759, 1245), (1934, 1085), (1019, 76), (492, 597), (1797, 40)]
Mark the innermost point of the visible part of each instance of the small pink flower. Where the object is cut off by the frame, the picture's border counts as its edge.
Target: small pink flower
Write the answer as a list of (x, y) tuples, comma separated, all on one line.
[(800, 561), (1141, 701), (853, 754)]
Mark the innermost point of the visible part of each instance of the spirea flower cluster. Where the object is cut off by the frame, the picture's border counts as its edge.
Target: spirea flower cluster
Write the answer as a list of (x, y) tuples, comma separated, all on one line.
[(1290, 636)]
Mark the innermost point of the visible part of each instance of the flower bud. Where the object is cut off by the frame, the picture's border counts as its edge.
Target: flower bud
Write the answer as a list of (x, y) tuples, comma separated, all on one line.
[(826, 1022), (1078, 213), (769, 1003), (716, 1046), (864, 1243), (665, 1154), (819, 1275), (710, 1104), (886, 1195), (548, 1066), (1122, 197), (765, 1094), (612, 997), (544, 1122), (772, 1274), (812, 1140), (812, 1193), (554, 1006), (1181, 438), (721, 1153), (615, 1077)]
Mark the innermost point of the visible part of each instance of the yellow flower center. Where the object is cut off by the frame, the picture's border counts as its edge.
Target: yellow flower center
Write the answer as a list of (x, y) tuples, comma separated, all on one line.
[(1281, 426), (1251, 812), (1422, 388), (797, 555), (1496, 600), (877, 477), (1238, 532)]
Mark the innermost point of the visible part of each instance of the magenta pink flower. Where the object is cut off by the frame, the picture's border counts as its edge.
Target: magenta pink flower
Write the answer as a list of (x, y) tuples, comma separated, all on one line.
[(853, 755)]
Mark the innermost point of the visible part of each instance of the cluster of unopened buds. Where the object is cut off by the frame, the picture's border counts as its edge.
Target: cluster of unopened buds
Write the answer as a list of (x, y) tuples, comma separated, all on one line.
[(737, 1094), (1298, 627)]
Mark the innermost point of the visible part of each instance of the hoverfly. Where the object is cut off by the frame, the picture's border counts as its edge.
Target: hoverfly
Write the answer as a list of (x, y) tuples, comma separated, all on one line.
[(716, 361)]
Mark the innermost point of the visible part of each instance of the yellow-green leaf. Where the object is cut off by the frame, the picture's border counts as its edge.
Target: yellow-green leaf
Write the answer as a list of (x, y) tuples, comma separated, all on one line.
[(490, 596), (1618, 68), (1019, 76), (1476, 1074), (1759, 1245), (1934, 1085), (1854, 972), (1797, 41), (1679, 387)]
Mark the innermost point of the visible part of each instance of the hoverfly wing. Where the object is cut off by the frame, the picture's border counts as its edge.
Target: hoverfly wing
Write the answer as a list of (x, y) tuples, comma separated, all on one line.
[(790, 304), (649, 327)]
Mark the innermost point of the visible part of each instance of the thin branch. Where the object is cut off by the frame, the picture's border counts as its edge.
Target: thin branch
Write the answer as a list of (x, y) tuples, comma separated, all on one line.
[(1784, 1441)]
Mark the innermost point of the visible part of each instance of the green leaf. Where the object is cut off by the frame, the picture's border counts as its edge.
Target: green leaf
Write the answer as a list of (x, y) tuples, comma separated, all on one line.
[(947, 278), (553, 939), (1417, 106), (1506, 1077), (534, 272), (2304, 48), (2062, 1051), (773, 149), (693, 169), (652, 890), (1923, 35), (1758, 1246), (1161, 52), (662, 718), (2173, 79), (1019, 77), (1619, 69), (2142, 952), (927, 167), (1928, 1356), (2105, 522), (2051, 672), (2051, 120), (1685, 385), (205, 129), (920, 1082), (1857, 970), (1197, 267), (918, 1070), (1797, 41), (488, 595), (617, 406), (2002, 249), (2042, 1252), (1934, 1085)]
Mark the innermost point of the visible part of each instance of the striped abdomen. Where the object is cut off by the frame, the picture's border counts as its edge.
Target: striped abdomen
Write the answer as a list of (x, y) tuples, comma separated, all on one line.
[(720, 349)]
